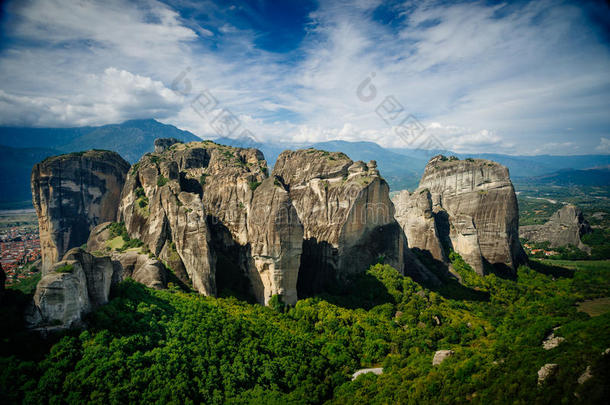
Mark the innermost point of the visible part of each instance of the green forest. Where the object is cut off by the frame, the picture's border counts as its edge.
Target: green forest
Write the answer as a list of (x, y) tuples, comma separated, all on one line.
[(174, 346)]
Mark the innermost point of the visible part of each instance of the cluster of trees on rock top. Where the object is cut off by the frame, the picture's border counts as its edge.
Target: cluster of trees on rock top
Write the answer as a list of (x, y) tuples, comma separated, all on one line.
[(172, 346)]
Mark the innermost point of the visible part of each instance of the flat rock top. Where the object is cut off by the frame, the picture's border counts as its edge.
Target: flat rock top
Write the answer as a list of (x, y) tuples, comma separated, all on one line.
[(93, 154), (300, 166)]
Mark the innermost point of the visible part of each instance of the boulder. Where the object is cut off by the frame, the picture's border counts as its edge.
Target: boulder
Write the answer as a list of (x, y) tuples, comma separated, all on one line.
[(72, 193), (547, 371), (71, 288), (552, 341), (376, 371), (474, 212), (441, 355), (565, 227), (585, 376)]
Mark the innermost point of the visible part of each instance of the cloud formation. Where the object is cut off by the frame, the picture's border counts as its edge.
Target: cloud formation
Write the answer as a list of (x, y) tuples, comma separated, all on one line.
[(525, 77)]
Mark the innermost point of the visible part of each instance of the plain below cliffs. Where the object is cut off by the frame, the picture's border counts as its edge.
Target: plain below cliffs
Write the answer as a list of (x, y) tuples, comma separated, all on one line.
[(468, 206), (73, 193)]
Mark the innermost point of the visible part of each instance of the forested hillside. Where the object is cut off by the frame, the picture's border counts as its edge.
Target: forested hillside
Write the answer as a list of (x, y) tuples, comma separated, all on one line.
[(174, 346)]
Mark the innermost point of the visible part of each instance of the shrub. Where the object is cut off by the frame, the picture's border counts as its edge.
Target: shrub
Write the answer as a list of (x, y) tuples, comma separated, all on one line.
[(161, 181), (66, 268), (254, 185)]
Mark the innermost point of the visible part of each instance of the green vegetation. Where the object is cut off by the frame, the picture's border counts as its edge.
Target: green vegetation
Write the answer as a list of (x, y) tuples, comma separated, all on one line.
[(120, 239), (66, 268), (28, 285), (169, 346), (161, 180), (595, 307), (202, 179), (254, 185)]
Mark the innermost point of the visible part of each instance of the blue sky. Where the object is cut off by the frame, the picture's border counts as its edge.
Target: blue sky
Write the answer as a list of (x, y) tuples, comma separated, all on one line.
[(512, 77)]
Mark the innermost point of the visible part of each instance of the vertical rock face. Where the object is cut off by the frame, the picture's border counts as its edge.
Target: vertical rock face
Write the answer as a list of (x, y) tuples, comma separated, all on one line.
[(194, 202), (565, 227), (71, 194), (276, 240), (346, 213), (414, 214), (475, 212), (71, 288)]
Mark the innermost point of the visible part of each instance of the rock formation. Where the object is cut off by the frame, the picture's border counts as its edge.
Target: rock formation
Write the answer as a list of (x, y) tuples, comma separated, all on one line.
[(133, 263), (194, 202), (347, 217), (72, 287), (441, 355), (547, 371), (72, 193), (414, 213), (276, 238), (565, 227), (475, 213), (161, 144)]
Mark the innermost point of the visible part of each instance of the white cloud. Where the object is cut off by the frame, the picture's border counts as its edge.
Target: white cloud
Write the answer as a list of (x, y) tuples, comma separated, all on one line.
[(114, 96), (477, 81), (604, 145)]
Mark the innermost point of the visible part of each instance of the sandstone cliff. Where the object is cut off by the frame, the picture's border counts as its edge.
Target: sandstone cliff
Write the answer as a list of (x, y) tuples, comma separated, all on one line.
[(565, 227), (73, 193), (474, 209), (347, 216), (71, 288), (190, 203), (132, 263)]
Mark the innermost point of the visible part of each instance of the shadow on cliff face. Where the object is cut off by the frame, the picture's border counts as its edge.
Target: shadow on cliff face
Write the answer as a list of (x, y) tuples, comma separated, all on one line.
[(231, 279), (16, 339), (316, 275), (450, 288)]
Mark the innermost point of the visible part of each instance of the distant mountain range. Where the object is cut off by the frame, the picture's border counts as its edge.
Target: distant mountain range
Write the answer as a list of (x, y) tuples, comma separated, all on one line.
[(21, 148), (599, 177), (131, 139)]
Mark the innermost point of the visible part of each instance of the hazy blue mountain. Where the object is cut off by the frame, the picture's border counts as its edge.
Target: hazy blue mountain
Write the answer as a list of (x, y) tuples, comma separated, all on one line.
[(131, 139), (16, 166), (599, 177), (23, 147)]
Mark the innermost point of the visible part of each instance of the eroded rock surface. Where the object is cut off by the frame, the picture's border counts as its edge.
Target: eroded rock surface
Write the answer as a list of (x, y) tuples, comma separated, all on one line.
[(72, 193), (414, 213), (547, 371), (195, 202), (72, 287), (474, 209), (347, 216), (441, 355), (565, 227), (132, 263)]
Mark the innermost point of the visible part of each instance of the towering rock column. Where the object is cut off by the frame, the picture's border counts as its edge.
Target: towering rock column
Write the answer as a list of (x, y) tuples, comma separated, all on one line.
[(73, 193), (475, 212)]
